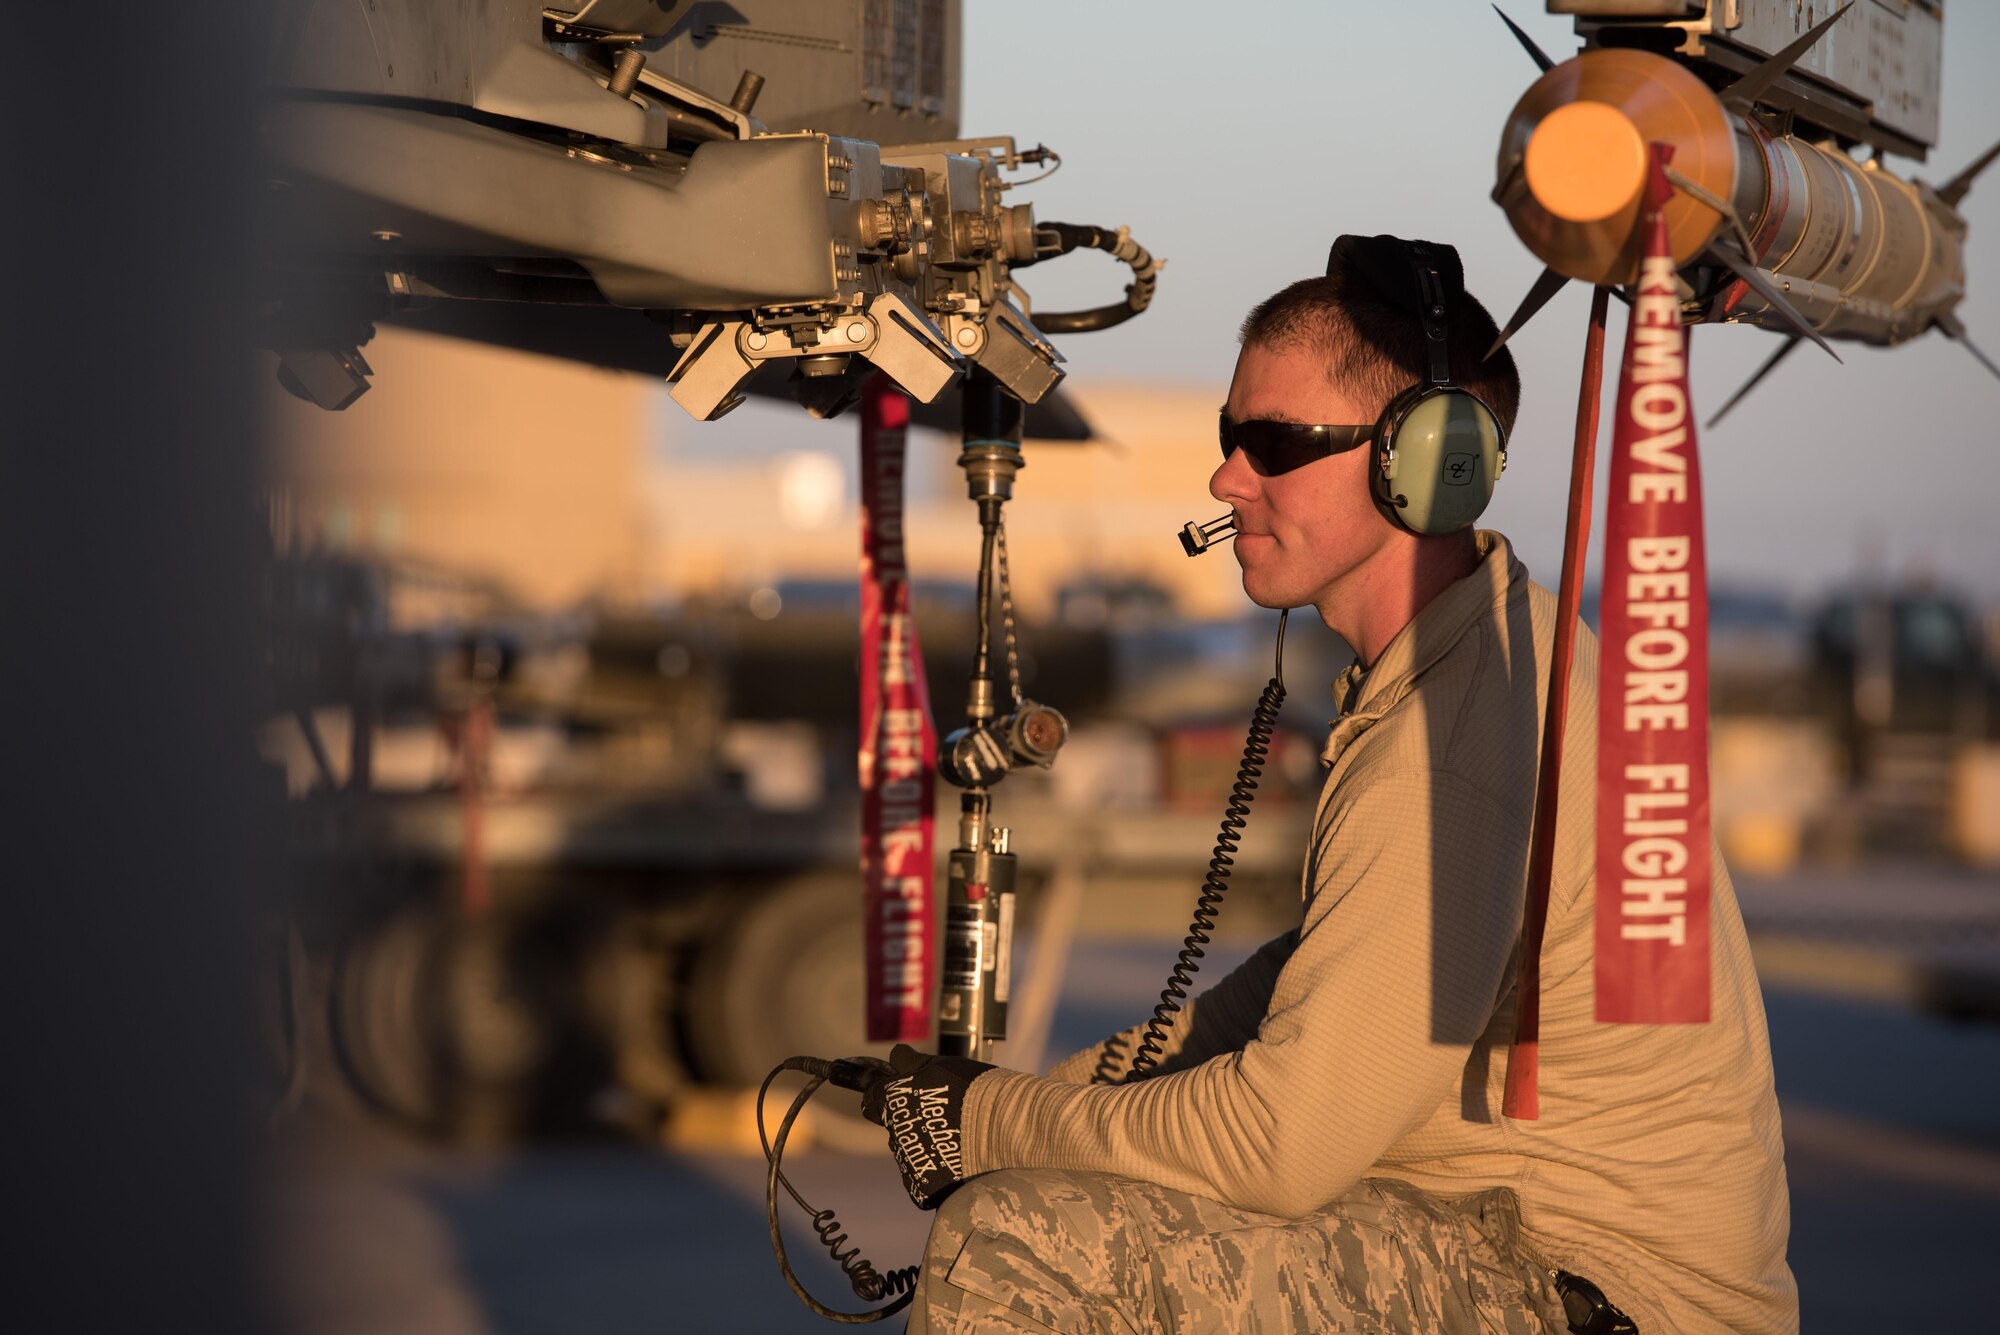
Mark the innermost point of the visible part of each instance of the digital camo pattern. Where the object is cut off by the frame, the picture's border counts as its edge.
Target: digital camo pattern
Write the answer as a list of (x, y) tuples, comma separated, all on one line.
[(1042, 1250)]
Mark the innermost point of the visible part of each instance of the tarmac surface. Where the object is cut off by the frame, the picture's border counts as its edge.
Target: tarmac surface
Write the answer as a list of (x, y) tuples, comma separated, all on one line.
[(1892, 1124)]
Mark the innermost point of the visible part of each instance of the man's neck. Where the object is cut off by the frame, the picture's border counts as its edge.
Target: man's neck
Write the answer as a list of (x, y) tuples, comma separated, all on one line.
[(1372, 604)]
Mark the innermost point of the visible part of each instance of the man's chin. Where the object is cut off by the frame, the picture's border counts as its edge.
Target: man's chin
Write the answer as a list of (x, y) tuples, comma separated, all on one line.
[(1261, 590), (1270, 576)]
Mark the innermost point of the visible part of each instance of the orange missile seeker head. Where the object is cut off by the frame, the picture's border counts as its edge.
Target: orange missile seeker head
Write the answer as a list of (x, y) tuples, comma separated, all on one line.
[(1586, 161), (1572, 166)]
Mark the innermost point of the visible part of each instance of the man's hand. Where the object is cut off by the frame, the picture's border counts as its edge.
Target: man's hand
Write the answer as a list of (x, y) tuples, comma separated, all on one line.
[(920, 1101)]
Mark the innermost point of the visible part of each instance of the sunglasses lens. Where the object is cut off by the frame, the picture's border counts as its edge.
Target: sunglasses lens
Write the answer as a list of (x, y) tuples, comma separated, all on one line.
[(1275, 447), (1279, 447)]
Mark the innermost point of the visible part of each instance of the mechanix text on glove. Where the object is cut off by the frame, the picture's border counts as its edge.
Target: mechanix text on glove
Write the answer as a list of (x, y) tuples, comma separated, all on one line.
[(923, 1135), (922, 1105)]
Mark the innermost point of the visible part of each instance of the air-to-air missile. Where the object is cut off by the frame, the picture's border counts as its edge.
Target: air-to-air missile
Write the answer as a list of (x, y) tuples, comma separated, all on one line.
[(1774, 220)]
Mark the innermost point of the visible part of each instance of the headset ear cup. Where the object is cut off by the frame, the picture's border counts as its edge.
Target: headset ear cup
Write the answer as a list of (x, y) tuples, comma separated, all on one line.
[(1385, 463), (1443, 448), (1489, 459), (1393, 462)]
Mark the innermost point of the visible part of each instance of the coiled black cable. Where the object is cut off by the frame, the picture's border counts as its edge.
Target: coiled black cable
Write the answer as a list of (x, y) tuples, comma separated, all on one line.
[(1256, 749), (869, 1284)]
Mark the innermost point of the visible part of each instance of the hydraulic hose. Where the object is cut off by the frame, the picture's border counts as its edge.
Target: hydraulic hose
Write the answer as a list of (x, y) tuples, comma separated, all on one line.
[(1120, 246)]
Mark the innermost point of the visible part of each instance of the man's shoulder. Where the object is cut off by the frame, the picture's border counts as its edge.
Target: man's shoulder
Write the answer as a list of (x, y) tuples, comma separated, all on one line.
[(1505, 654), (1475, 714)]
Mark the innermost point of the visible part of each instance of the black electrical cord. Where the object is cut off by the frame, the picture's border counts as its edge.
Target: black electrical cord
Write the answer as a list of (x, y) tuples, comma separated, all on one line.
[(1256, 748), (1007, 623), (1066, 237), (854, 1073), (869, 1284), (989, 527), (1039, 153)]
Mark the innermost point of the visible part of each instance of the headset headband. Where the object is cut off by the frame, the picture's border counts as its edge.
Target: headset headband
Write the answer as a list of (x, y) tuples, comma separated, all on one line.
[(1427, 274), (1431, 307)]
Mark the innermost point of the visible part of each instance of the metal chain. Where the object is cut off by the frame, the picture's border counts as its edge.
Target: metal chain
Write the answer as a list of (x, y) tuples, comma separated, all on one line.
[(1007, 620)]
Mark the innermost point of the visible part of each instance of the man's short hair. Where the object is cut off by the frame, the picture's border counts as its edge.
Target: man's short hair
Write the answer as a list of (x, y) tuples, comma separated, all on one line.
[(1374, 346)]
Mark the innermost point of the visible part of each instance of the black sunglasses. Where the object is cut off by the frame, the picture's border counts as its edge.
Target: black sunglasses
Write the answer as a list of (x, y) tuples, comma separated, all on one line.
[(1279, 447)]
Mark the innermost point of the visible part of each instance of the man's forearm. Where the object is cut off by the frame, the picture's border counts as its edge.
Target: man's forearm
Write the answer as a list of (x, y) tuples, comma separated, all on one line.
[(1221, 1019), (1208, 1131), (1396, 974)]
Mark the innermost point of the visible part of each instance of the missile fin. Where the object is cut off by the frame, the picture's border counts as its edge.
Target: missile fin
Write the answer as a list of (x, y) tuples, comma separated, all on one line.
[(1535, 53), (1955, 329), (1760, 283), (1984, 360), (1770, 364), (1538, 296), (1954, 190), (1728, 211), (1743, 94)]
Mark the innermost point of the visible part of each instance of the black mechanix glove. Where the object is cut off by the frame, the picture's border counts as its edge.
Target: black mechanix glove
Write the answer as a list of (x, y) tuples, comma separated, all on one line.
[(921, 1102)]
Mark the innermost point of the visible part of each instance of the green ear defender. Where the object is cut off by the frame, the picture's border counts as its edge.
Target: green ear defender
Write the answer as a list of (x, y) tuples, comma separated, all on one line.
[(1438, 449)]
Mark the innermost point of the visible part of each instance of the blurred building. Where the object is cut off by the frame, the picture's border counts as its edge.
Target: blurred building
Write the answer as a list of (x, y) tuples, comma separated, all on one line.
[(494, 464), (562, 483)]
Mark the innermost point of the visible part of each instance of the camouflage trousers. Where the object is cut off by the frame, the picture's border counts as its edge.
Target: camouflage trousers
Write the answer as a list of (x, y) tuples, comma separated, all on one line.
[(1042, 1250)]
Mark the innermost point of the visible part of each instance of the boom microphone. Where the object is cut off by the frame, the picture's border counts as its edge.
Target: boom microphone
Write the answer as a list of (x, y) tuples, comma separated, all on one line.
[(1198, 538)]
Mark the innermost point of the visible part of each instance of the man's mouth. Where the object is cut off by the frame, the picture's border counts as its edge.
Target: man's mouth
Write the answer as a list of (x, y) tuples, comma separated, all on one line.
[(1249, 543)]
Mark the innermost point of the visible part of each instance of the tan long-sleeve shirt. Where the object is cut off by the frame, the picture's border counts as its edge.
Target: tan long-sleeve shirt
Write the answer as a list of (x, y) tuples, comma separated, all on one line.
[(1372, 1040)]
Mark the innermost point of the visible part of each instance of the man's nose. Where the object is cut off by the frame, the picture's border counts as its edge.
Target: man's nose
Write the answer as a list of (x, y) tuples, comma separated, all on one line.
[(1235, 480)]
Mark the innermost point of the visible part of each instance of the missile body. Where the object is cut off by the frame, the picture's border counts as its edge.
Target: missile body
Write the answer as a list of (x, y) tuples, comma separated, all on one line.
[(1861, 253), (1858, 253)]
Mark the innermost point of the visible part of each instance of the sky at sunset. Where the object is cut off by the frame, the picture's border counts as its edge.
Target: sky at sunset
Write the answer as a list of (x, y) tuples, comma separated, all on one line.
[(1238, 140)]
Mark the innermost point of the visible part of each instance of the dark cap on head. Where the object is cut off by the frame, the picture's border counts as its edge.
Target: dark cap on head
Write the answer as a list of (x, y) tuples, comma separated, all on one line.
[(1365, 319), (1386, 264)]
